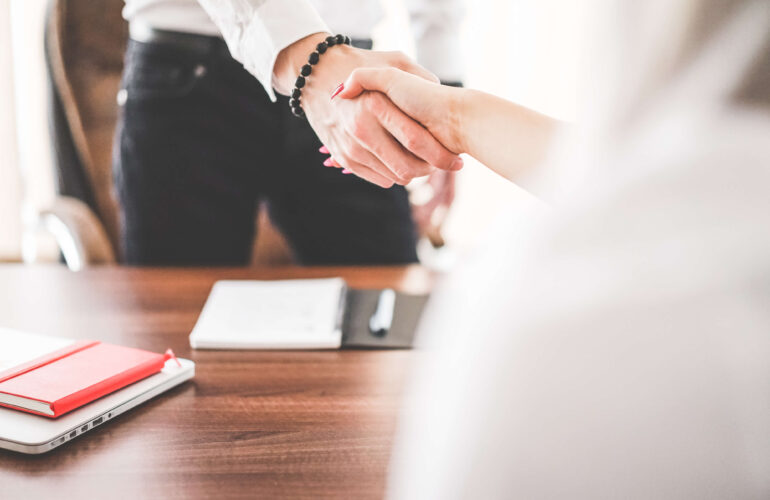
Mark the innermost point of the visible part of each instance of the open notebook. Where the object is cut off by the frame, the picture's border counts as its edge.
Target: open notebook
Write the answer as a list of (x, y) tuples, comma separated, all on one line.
[(288, 314)]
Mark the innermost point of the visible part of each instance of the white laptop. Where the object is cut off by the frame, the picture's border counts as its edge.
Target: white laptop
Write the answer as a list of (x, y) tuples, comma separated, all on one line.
[(28, 433)]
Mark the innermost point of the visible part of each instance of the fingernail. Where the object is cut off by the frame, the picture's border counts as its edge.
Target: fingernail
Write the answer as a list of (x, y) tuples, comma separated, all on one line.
[(328, 162), (457, 164), (324, 150), (339, 89), (346, 171)]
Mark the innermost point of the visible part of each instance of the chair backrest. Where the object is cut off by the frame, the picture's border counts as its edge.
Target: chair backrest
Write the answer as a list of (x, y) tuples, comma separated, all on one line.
[(85, 44)]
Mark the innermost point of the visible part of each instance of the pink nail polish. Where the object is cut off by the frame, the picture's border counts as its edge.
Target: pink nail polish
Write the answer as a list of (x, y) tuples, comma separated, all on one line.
[(339, 89), (324, 150), (328, 162), (346, 171)]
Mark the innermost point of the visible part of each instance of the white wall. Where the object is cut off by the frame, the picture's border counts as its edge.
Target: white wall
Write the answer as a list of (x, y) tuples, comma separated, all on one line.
[(26, 174), (10, 181), (35, 161)]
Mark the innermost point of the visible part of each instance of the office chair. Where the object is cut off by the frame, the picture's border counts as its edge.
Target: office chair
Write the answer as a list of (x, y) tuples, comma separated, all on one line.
[(84, 44), (85, 41)]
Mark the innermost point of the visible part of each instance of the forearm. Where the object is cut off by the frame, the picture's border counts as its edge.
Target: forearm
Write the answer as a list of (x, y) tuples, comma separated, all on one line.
[(508, 138)]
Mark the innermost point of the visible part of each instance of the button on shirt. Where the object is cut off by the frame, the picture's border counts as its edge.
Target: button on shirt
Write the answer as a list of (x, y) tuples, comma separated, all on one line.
[(257, 30)]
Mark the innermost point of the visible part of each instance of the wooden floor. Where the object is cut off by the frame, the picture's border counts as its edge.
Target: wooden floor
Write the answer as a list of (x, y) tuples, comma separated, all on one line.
[(250, 425)]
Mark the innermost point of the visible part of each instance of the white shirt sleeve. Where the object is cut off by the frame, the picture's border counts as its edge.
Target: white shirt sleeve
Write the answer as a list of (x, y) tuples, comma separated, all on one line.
[(257, 30), (436, 30)]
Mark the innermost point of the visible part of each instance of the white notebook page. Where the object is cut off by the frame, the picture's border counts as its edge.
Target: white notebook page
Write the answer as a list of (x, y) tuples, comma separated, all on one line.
[(18, 347), (288, 314)]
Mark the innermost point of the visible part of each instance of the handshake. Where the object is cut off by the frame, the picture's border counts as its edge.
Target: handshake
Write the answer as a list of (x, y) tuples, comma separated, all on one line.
[(379, 115)]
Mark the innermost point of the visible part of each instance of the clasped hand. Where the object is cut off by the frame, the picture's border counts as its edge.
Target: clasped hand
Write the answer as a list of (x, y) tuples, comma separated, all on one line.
[(368, 135)]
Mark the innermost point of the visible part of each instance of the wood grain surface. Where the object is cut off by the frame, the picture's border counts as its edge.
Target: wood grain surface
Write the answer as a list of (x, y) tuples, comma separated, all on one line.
[(251, 424)]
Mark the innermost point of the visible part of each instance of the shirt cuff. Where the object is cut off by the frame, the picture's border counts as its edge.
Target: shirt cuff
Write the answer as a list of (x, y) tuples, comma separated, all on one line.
[(276, 24)]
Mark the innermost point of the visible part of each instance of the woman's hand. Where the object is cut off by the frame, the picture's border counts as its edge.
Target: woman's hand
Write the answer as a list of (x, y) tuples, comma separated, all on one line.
[(508, 138), (436, 107)]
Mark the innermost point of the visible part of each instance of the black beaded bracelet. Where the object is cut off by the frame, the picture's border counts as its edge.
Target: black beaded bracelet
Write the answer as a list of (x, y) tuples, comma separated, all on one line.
[(296, 94)]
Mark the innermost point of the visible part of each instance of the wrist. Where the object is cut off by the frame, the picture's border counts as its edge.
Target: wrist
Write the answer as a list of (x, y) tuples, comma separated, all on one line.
[(333, 68), (291, 59), (459, 108)]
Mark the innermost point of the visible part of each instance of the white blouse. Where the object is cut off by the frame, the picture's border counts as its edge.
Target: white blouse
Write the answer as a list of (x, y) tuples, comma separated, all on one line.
[(618, 345)]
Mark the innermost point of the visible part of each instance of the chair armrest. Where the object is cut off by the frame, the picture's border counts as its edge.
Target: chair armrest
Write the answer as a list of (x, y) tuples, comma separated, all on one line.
[(80, 235)]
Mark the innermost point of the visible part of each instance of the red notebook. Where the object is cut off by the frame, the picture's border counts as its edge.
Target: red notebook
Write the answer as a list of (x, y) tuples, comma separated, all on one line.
[(67, 378)]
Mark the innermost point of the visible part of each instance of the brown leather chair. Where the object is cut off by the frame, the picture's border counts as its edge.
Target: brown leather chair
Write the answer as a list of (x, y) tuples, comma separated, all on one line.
[(85, 41)]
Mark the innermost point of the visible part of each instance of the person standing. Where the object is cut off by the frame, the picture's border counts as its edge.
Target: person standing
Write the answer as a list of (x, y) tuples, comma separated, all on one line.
[(202, 136)]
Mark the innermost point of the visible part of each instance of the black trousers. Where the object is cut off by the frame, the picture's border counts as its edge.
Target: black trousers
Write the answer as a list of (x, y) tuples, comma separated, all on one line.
[(199, 144)]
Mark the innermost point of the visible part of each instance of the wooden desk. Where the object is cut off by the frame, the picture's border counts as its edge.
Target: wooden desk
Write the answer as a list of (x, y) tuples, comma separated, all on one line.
[(251, 424)]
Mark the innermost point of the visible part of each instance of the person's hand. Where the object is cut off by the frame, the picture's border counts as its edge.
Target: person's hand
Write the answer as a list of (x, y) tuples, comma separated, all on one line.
[(431, 202), (506, 137), (436, 107), (368, 136)]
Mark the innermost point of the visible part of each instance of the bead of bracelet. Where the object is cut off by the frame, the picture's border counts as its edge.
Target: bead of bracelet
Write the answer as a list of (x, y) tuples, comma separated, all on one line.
[(295, 102)]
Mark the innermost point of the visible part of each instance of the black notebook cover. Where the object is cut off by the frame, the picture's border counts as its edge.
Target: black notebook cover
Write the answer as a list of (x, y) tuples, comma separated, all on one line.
[(361, 304)]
